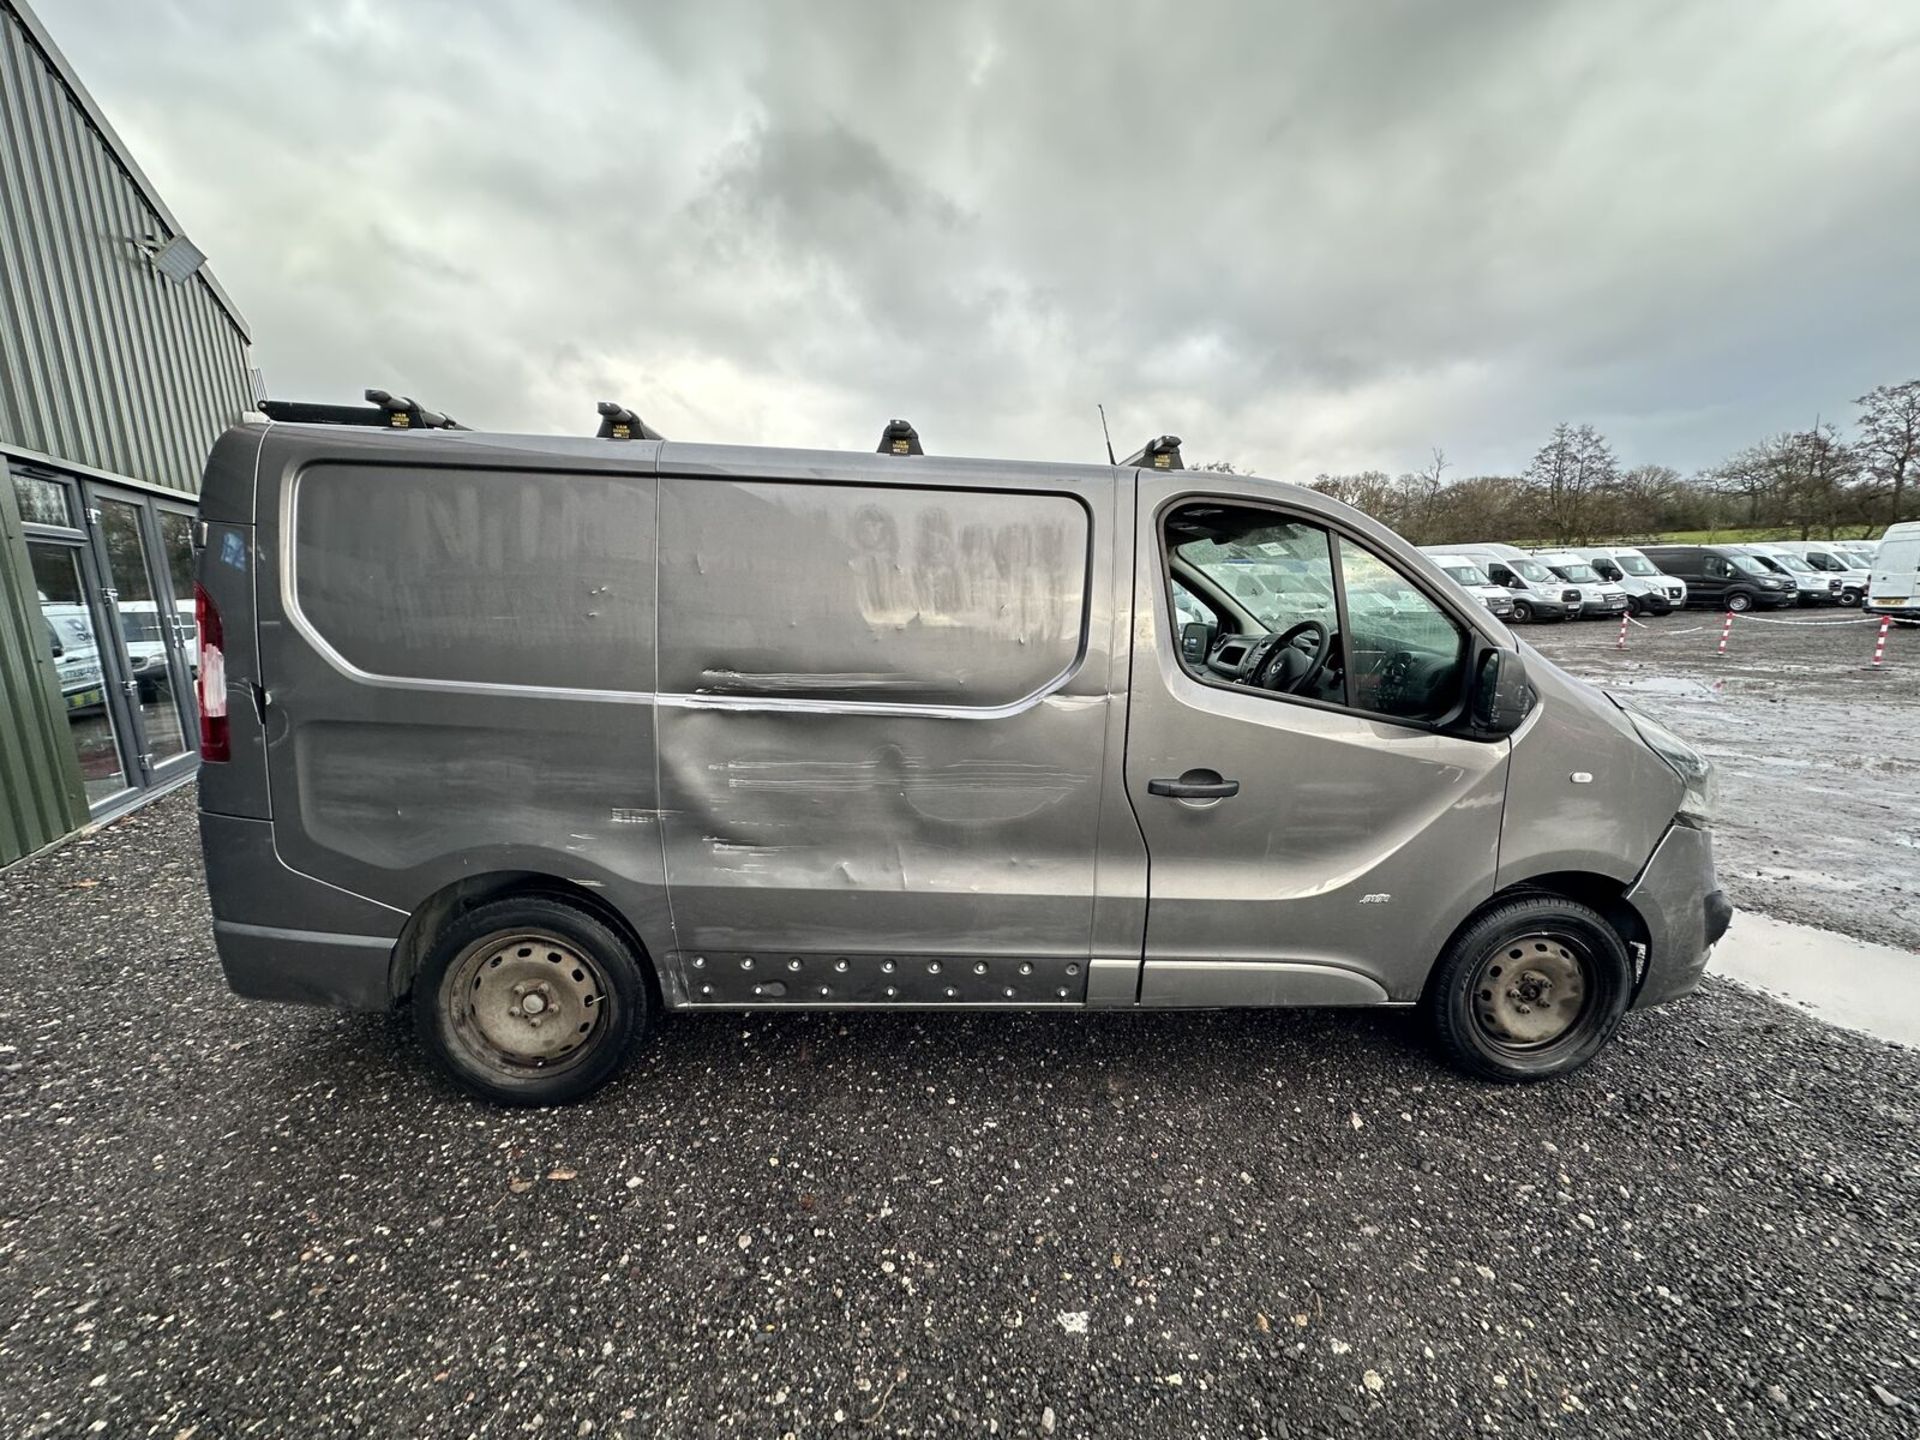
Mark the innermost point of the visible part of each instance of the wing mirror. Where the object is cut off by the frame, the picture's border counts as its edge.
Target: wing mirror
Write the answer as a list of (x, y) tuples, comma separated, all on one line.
[(1502, 694)]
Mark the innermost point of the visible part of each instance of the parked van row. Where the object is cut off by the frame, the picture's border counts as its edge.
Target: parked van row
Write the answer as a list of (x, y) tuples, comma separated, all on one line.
[(1610, 580), (1538, 586)]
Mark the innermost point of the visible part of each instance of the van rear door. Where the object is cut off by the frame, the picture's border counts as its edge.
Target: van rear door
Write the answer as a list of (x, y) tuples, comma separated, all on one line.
[(1315, 843), (1893, 583)]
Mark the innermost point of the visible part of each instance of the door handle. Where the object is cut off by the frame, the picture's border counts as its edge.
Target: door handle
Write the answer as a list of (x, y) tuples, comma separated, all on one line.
[(1195, 785)]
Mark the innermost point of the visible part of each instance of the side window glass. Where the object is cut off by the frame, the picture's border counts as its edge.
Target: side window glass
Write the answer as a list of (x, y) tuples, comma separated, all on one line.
[(1281, 573), (1717, 569), (1187, 610), (1407, 657)]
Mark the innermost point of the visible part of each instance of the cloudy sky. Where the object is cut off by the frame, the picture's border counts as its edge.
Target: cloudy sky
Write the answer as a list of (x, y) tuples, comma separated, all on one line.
[(1307, 237)]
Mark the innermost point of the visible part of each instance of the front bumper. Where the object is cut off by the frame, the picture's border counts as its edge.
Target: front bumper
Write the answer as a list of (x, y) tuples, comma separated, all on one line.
[(1679, 900)]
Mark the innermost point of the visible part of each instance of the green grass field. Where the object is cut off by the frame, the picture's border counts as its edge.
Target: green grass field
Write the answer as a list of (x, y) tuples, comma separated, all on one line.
[(1729, 535)]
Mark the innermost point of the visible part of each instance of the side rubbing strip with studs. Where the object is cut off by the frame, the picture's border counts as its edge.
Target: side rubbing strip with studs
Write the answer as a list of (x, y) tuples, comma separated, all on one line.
[(784, 978)]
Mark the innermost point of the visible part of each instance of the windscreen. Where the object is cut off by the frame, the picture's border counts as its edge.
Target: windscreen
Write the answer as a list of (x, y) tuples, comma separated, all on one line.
[(1467, 574), (1635, 564), (1752, 564), (1530, 570), (1581, 574)]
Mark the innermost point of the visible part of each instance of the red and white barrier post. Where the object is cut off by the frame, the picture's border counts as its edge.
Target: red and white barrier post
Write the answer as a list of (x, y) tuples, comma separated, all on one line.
[(1880, 641), (1621, 643), (1725, 631)]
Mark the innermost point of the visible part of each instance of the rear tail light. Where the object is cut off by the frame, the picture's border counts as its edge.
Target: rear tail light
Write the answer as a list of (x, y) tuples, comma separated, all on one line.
[(215, 741)]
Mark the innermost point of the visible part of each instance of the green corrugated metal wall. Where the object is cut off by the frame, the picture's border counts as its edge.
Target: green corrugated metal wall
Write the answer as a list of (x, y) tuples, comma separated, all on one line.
[(104, 364), (41, 797)]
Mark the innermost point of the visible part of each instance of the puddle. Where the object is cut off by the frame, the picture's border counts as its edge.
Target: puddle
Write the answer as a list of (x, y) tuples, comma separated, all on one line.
[(1872, 988), (1676, 686)]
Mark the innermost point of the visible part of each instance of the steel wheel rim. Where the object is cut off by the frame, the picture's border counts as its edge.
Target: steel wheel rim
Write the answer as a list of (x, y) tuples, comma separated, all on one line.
[(1533, 991), (526, 1002)]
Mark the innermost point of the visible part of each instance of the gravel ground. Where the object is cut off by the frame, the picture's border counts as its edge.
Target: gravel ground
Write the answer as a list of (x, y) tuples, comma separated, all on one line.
[(1819, 757), (267, 1221)]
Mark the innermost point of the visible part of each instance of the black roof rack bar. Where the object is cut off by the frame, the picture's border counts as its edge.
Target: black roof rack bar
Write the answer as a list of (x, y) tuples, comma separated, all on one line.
[(393, 412), (619, 423), (1160, 453), (899, 438)]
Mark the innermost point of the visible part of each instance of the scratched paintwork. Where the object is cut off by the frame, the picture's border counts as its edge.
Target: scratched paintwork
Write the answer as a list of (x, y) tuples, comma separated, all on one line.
[(849, 709), (854, 832), (852, 593)]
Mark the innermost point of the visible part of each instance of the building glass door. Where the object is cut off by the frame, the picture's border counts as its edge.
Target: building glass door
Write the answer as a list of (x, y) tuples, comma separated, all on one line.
[(145, 634), (72, 638)]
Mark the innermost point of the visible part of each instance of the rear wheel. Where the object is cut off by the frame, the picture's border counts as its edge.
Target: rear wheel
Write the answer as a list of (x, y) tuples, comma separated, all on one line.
[(1739, 601), (1532, 989), (529, 1000)]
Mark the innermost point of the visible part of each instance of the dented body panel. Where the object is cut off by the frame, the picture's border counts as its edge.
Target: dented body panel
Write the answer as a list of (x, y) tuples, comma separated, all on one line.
[(829, 730)]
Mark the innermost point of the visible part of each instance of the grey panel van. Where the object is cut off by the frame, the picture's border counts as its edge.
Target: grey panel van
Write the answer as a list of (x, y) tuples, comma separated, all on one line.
[(543, 737)]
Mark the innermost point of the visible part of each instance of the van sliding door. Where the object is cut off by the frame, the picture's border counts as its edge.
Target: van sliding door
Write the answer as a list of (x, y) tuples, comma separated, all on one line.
[(884, 715)]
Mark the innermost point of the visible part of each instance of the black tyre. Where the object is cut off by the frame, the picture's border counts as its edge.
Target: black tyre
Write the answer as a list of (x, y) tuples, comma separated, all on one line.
[(1636, 605), (1530, 990), (1739, 601), (529, 1000), (1522, 613)]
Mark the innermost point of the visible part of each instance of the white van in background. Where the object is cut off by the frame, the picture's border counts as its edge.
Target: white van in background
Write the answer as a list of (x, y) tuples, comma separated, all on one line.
[(1893, 586), (1597, 597), (1472, 579), (1649, 592), (1537, 593), (1827, 558)]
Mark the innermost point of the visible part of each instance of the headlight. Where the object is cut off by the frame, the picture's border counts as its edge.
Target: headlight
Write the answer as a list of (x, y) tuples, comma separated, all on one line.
[(1770, 584), (1694, 769)]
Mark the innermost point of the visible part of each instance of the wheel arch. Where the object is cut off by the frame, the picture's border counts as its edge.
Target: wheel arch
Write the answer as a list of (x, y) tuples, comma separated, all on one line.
[(1601, 893), (432, 915)]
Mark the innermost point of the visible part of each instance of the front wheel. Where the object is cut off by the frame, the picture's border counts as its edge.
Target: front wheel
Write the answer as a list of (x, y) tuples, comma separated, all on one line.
[(1739, 601), (529, 1000), (1636, 606), (1522, 613), (1532, 989)]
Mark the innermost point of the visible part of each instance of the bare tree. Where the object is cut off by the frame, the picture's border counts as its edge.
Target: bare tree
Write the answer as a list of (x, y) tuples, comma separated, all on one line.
[(1889, 444), (1419, 494), (1574, 463)]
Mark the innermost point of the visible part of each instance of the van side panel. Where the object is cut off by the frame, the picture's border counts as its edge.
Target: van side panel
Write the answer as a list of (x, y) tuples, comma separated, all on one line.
[(884, 716), (457, 638)]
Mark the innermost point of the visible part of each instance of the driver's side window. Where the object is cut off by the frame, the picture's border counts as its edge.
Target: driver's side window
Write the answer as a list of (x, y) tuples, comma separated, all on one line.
[(1305, 613)]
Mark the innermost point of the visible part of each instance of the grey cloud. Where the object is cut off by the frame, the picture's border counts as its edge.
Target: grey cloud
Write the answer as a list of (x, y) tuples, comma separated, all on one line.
[(1308, 236)]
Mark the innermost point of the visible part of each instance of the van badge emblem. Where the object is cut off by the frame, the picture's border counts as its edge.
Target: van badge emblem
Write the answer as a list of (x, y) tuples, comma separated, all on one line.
[(1581, 777)]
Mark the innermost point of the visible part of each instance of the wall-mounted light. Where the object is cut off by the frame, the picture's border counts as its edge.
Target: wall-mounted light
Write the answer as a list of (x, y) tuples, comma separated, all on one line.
[(176, 259)]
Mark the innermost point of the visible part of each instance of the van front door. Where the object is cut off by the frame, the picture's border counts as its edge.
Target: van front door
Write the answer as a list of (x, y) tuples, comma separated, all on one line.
[(1315, 830)]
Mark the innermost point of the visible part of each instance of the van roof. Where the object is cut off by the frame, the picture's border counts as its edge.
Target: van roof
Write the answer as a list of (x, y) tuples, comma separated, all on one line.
[(680, 458)]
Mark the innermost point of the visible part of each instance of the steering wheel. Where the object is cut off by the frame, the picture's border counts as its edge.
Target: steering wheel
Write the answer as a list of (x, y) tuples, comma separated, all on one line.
[(1287, 668)]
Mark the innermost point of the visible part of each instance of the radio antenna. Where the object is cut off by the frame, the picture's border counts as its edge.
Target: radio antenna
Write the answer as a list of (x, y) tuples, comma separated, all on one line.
[(1104, 431)]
